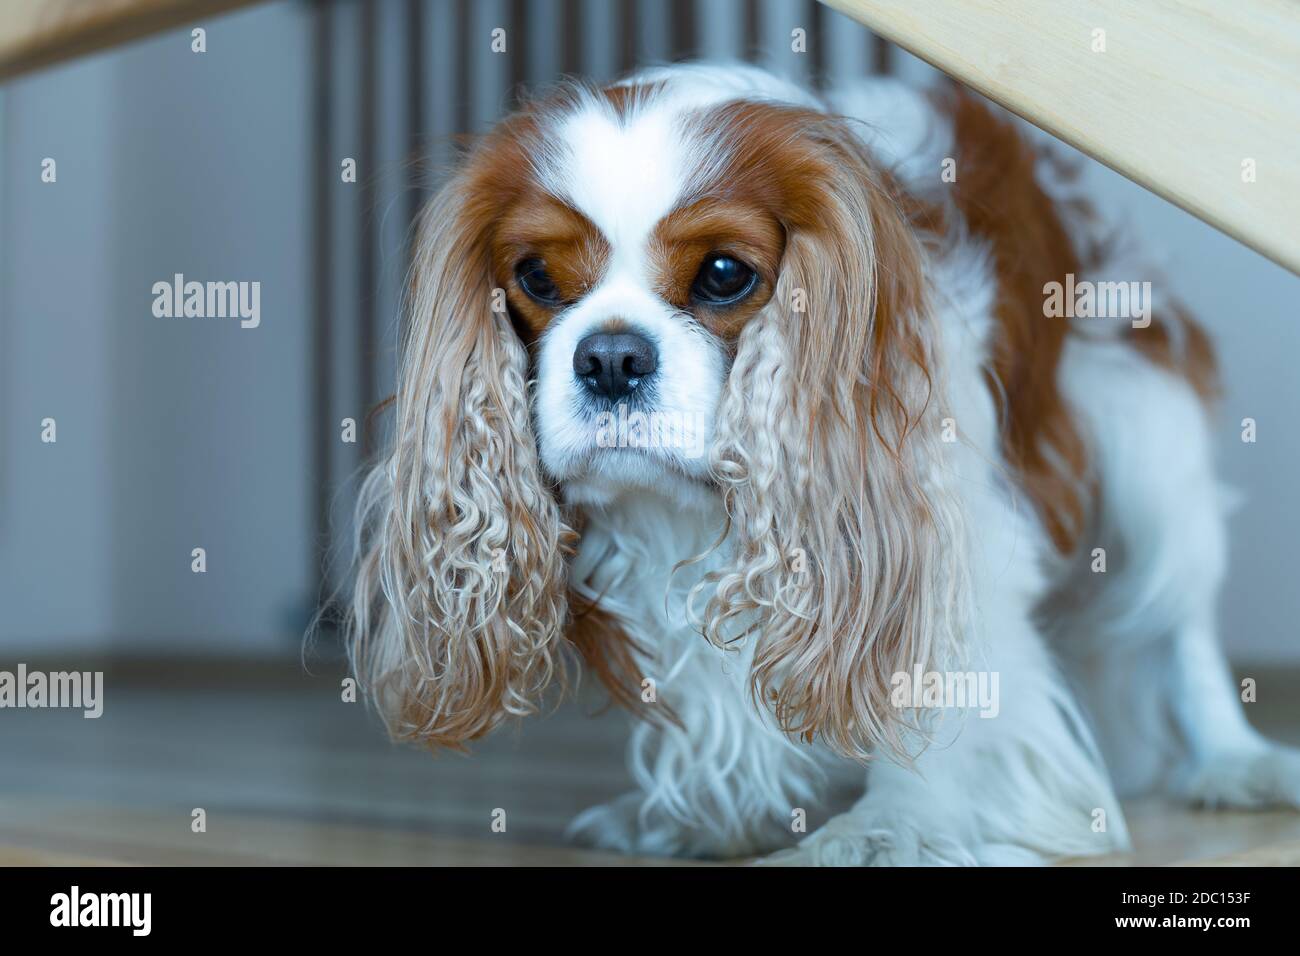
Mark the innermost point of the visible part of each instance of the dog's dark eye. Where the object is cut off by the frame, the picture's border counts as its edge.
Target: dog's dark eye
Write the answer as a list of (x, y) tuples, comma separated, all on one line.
[(723, 280), (532, 278)]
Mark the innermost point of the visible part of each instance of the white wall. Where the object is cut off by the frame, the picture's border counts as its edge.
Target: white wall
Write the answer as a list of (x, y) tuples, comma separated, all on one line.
[(172, 433), (55, 341)]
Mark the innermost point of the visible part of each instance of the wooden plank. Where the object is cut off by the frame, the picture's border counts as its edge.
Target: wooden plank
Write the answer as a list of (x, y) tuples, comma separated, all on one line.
[(290, 774), (1166, 833), (1183, 94), (37, 33), (23, 856), (1284, 854), (53, 832), (49, 831)]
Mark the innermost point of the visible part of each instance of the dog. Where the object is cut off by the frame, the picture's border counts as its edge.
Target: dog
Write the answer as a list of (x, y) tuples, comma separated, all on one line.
[(750, 402)]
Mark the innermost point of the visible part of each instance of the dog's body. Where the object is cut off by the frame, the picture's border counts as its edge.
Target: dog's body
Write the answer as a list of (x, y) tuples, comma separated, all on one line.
[(1042, 508)]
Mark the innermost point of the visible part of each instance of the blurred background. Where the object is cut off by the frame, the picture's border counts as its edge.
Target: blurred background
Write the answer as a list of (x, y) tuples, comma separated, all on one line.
[(176, 434)]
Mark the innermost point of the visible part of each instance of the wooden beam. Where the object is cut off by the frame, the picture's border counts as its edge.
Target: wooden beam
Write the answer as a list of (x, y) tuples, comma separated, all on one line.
[(1185, 97), (37, 33)]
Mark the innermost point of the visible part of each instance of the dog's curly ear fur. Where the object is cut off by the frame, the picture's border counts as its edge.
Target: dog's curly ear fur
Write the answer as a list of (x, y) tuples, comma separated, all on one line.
[(847, 547), (459, 603)]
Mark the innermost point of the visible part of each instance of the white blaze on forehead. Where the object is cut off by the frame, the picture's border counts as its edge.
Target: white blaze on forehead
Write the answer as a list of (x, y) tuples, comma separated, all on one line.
[(626, 172), (622, 174)]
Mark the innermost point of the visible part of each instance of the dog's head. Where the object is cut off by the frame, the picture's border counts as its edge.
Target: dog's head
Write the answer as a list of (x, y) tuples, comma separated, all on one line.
[(661, 287)]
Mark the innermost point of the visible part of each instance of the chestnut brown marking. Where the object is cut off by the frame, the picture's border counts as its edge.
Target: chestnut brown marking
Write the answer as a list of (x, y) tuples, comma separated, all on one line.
[(685, 237), (627, 98), (781, 159), (571, 248), (613, 656), (514, 218), (1001, 201), (1189, 353), (999, 195)]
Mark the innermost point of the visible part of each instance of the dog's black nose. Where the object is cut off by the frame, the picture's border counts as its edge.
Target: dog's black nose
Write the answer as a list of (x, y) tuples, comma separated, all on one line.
[(613, 364)]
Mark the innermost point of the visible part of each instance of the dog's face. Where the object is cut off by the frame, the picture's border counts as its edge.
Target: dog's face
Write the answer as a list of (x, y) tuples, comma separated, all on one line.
[(632, 277), (679, 289)]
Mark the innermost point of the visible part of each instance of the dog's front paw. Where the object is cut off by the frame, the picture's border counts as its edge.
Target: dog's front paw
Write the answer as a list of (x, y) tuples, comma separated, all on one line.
[(1250, 779), (611, 826), (625, 826), (891, 839)]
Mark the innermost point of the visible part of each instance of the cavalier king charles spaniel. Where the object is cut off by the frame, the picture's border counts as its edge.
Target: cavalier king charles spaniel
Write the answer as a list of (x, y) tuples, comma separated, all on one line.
[(750, 404)]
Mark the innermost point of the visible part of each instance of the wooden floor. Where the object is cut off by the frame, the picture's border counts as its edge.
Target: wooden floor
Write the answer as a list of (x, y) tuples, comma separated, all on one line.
[(287, 773)]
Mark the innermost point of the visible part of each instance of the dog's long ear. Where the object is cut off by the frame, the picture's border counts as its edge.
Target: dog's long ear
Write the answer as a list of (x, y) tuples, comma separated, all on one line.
[(848, 552), (459, 603)]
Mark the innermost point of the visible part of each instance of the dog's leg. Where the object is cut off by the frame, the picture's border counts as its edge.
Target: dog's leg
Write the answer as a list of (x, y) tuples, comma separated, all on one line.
[(1137, 631), (1022, 785), (1224, 762)]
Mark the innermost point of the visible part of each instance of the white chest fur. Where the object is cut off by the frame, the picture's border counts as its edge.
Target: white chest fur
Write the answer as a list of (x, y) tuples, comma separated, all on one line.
[(726, 770)]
